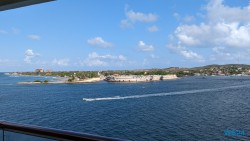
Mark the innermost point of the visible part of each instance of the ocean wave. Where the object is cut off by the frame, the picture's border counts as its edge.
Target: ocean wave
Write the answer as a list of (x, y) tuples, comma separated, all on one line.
[(6, 84), (163, 94), (13, 76)]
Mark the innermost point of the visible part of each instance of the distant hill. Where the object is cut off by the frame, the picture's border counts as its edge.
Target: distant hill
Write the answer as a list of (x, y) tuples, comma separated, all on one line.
[(224, 66), (214, 69)]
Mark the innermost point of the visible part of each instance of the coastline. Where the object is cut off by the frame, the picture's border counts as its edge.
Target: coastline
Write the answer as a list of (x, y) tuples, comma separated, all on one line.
[(119, 79), (64, 81), (139, 78)]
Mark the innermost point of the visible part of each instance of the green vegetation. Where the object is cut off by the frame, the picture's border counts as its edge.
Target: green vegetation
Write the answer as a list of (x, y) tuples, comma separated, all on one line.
[(79, 74), (183, 73), (230, 69), (137, 72), (43, 82), (70, 80), (38, 81)]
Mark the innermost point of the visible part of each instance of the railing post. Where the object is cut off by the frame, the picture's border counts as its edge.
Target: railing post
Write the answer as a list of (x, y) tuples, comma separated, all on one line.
[(3, 134)]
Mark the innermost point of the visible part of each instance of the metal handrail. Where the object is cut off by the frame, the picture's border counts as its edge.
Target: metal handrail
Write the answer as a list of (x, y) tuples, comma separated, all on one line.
[(51, 133), (11, 4)]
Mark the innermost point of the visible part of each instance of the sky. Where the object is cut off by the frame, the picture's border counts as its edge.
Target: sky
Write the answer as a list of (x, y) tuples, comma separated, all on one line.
[(125, 34)]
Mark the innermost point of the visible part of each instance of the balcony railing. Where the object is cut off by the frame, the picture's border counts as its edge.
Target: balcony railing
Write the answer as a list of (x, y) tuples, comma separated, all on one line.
[(18, 132)]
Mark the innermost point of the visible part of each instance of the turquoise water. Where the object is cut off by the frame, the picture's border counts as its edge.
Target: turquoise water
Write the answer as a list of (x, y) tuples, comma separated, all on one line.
[(190, 108)]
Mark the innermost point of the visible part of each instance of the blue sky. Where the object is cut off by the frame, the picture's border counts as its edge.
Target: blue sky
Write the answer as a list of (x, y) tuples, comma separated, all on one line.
[(124, 34)]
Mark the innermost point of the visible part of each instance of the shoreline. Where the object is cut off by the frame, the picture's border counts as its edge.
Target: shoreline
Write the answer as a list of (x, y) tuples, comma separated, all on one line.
[(139, 78), (63, 81), (110, 78)]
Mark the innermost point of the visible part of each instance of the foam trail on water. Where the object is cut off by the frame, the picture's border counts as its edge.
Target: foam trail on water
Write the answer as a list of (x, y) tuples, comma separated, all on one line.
[(162, 94)]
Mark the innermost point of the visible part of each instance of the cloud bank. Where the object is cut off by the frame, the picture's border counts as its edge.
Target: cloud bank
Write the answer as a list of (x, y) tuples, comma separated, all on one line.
[(225, 29)]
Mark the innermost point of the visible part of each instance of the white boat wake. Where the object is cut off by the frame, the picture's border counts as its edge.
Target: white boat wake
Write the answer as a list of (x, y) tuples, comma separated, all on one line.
[(163, 94)]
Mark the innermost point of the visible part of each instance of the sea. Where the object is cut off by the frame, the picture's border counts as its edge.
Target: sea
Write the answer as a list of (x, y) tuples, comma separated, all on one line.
[(188, 109)]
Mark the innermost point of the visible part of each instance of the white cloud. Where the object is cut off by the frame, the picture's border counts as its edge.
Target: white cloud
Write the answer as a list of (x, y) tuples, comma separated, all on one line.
[(133, 17), (227, 34), (94, 55), (153, 28), (29, 55), (140, 17), (238, 36), (226, 26), (217, 11), (96, 60), (98, 41), (122, 58), (34, 37), (144, 47), (221, 52), (192, 34), (225, 29), (188, 54), (61, 62)]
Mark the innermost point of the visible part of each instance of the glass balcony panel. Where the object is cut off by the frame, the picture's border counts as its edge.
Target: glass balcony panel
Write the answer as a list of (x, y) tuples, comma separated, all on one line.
[(1, 135), (13, 136)]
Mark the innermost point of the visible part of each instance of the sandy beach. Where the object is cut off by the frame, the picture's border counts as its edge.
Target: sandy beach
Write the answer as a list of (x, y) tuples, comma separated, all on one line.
[(90, 80)]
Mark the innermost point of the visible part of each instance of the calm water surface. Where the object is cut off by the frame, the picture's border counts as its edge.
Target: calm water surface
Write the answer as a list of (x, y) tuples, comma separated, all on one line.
[(191, 108)]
